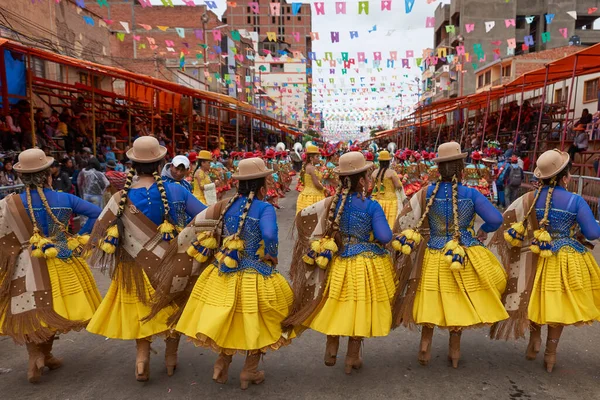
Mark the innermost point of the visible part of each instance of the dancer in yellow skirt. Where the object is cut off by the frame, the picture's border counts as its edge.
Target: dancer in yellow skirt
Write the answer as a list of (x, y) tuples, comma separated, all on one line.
[(45, 287), (240, 299), (452, 281), (558, 278), (348, 245), (310, 178), (387, 188), (204, 188), (129, 239)]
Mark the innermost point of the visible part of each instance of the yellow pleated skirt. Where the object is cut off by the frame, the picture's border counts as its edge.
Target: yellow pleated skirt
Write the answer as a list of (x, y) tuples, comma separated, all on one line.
[(238, 311), (358, 297), (460, 299), (307, 199), (120, 314), (566, 289), (75, 296), (390, 209)]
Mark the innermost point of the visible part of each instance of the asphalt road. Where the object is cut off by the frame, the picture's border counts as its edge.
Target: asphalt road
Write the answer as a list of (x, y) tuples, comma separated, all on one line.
[(96, 368)]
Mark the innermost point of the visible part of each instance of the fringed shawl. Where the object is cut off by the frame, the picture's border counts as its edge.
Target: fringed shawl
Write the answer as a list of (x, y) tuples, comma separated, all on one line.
[(520, 264), (25, 287), (409, 267), (178, 271), (308, 281)]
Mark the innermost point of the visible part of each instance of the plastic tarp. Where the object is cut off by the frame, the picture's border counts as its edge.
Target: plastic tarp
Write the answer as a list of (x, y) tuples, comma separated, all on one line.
[(15, 76)]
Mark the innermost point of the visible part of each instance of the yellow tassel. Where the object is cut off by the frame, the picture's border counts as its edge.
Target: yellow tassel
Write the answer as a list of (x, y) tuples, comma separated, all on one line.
[(448, 259), (35, 238), (397, 245), (316, 246), (460, 251), (191, 251), (451, 245), (545, 236), (50, 253), (519, 227), (456, 266), (209, 243), (201, 258), (535, 248), (113, 231), (329, 244), (220, 257), (108, 248), (37, 253), (322, 262), (83, 239), (73, 243), (406, 249), (166, 227), (308, 259), (230, 263), (546, 253)]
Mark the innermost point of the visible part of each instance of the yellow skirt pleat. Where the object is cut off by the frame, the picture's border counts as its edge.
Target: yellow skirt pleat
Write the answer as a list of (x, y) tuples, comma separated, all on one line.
[(238, 311), (566, 289), (390, 209), (460, 299), (120, 313), (358, 297), (305, 200)]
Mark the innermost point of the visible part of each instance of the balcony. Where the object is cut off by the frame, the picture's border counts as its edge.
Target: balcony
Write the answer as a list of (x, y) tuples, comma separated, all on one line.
[(453, 89)]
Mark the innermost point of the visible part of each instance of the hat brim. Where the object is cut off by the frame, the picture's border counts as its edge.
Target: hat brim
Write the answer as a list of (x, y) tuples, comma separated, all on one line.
[(450, 158), (256, 175), (367, 165), (385, 158), (132, 157), (538, 174), (47, 164)]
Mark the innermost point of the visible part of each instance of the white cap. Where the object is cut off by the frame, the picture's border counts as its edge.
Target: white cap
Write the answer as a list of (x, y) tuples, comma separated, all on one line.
[(180, 160)]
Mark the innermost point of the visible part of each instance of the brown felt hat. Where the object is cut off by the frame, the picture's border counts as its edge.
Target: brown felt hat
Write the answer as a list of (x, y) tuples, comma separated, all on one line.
[(33, 160), (251, 168), (352, 163), (146, 149), (449, 152), (551, 163)]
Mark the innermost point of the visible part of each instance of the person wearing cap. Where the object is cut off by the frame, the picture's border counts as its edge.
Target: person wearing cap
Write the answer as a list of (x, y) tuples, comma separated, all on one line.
[(310, 180), (343, 276), (61, 182), (176, 172), (45, 285), (130, 239), (240, 299), (204, 188), (558, 279), (453, 281), (387, 188)]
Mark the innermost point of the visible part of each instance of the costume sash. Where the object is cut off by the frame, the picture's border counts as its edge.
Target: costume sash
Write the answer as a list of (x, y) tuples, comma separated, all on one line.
[(308, 281), (521, 265), (25, 287)]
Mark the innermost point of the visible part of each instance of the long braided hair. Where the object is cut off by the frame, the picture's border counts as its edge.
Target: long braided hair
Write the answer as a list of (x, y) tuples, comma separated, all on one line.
[(383, 167), (307, 161)]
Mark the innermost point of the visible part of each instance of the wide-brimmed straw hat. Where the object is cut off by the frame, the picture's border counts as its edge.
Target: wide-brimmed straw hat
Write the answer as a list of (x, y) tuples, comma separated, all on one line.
[(310, 149), (33, 160), (352, 163), (385, 155), (146, 149), (449, 152), (205, 155), (251, 168), (551, 163)]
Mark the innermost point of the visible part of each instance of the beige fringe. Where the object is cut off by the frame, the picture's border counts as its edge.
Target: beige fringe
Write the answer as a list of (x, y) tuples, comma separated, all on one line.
[(204, 341), (41, 325)]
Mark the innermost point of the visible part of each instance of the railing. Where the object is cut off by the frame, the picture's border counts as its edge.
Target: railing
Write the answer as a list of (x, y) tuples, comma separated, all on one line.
[(6, 190), (587, 187)]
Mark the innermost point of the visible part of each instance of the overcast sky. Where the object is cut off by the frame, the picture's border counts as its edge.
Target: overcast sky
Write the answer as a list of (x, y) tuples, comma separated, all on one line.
[(396, 31)]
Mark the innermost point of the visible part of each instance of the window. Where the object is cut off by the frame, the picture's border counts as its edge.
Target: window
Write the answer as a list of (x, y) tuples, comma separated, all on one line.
[(488, 77), (520, 21), (299, 18), (39, 69), (289, 18), (480, 81), (590, 90), (273, 21), (277, 67), (506, 71), (224, 20), (558, 95)]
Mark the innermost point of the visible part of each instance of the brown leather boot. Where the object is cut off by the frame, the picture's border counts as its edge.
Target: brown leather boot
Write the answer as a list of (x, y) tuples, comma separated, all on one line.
[(331, 350), (425, 347), (249, 372), (454, 348), (535, 341), (172, 344), (353, 359), (221, 368), (142, 360), (36, 363), (49, 360), (554, 333)]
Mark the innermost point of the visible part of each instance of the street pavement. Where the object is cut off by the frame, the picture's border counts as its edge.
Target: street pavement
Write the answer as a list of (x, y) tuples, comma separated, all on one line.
[(97, 368)]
